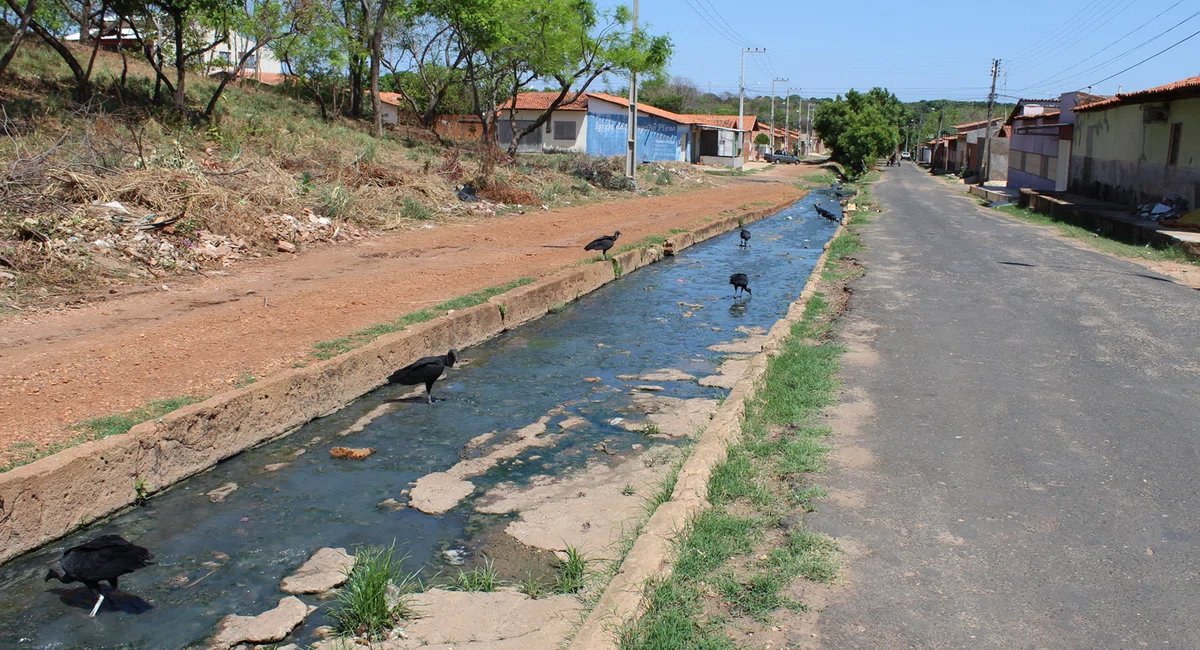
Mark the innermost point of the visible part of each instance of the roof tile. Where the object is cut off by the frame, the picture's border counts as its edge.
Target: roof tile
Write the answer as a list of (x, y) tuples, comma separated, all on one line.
[(1189, 87)]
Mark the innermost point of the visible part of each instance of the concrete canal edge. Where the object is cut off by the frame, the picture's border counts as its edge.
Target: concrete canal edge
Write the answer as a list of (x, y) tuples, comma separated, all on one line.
[(651, 557), (53, 496)]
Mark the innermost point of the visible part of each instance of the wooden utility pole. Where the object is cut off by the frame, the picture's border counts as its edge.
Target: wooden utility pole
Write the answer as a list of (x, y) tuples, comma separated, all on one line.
[(742, 101), (987, 137), (631, 156), (773, 112)]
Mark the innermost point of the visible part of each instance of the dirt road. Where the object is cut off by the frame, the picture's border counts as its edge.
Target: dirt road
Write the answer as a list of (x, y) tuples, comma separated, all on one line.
[(200, 336)]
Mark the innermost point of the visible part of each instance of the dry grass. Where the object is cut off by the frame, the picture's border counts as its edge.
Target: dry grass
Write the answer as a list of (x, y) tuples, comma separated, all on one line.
[(265, 154)]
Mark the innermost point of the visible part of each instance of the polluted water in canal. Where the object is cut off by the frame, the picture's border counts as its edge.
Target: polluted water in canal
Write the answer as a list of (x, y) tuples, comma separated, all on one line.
[(228, 556)]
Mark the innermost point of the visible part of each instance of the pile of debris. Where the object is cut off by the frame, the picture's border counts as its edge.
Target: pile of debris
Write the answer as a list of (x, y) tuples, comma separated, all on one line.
[(1172, 206)]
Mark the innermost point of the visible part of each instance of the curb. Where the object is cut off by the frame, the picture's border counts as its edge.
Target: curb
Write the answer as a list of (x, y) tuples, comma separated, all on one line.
[(651, 556), (55, 495)]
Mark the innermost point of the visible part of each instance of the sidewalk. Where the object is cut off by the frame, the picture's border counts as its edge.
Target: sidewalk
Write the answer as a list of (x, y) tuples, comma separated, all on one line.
[(1110, 219)]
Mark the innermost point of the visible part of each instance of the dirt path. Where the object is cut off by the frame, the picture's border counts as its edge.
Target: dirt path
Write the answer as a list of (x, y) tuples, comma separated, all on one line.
[(200, 336)]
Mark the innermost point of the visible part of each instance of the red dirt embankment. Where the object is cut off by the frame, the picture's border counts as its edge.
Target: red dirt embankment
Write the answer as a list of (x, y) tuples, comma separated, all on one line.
[(198, 337)]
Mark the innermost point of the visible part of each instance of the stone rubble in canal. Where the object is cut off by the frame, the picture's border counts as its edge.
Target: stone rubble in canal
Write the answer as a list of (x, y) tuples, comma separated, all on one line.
[(438, 492), (270, 626), (587, 510), (326, 569)]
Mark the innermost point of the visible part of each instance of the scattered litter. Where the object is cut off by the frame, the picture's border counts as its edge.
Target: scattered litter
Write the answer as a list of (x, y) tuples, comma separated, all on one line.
[(218, 495), (454, 556), (351, 453), (466, 193)]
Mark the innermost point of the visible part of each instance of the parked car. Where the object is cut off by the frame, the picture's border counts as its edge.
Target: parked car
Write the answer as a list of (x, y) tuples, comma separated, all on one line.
[(781, 157), (904, 155)]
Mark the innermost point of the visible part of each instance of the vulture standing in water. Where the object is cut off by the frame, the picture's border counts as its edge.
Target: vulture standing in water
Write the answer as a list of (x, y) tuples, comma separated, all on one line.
[(827, 214), (745, 238), (106, 558), (602, 244), (424, 371), (740, 283)]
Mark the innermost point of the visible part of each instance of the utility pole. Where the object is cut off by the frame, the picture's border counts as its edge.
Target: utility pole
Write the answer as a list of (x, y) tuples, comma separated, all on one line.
[(987, 133), (742, 98), (945, 147), (787, 107), (773, 111), (631, 159)]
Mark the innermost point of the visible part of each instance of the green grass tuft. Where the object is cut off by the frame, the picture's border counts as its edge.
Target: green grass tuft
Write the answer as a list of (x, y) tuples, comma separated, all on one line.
[(481, 578), (1103, 243), (364, 607), (330, 349), (572, 572)]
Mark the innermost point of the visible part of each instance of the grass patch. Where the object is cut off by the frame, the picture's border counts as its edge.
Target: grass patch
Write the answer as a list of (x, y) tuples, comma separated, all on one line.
[(330, 349), (111, 425), (364, 606), (572, 572), (481, 578), (721, 568), (1100, 242), (532, 587)]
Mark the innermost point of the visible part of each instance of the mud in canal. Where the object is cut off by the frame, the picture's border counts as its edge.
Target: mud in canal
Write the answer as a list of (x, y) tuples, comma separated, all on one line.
[(551, 434)]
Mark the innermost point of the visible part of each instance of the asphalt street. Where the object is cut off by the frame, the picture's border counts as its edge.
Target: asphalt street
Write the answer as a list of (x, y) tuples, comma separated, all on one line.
[(1018, 464)]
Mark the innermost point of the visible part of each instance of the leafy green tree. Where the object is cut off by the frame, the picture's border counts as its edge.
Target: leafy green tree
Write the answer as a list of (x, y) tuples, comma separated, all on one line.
[(264, 22), (50, 21), (861, 127), (569, 44)]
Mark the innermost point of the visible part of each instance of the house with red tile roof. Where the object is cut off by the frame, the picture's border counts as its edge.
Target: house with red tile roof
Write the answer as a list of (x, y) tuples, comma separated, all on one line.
[(1140, 146)]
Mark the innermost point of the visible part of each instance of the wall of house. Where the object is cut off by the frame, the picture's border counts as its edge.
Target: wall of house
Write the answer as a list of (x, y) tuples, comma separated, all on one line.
[(390, 112), (1033, 157), (999, 168), (657, 138), (1116, 157)]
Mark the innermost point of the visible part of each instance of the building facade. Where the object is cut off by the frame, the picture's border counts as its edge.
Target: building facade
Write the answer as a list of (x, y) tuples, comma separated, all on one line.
[(1139, 147)]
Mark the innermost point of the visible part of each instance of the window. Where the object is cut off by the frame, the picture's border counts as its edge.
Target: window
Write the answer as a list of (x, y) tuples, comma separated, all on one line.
[(564, 130), (1173, 142)]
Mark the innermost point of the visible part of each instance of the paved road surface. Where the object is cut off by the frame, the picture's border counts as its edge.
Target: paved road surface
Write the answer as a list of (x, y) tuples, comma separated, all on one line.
[(1030, 475)]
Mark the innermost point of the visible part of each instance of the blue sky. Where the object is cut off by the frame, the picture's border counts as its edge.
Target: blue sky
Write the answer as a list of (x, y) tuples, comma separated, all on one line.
[(827, 47)]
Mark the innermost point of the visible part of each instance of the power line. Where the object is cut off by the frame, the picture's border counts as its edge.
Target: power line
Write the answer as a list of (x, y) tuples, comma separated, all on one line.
[(1058, 49), (1162, 51), (1122, 55), (1106, 47), (732, 37), (1020, 55), (722, 20)]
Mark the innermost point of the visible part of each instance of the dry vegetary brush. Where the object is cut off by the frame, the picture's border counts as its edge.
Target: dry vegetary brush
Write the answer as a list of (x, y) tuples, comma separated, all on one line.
[(187, 196)]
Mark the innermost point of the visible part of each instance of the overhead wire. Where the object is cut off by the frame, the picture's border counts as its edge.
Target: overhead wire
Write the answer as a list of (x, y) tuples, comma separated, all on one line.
[(1102, 64), (1106, 47), (1077, 33), (1152, 56), (1019, 55)]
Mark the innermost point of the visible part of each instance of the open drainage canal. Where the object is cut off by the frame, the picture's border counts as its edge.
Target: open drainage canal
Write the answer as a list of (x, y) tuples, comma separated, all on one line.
[(218, 558)]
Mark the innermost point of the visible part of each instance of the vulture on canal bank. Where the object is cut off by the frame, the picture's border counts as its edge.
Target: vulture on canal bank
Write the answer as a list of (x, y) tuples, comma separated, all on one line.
[(602, 244), (106, 558), (426, 371)]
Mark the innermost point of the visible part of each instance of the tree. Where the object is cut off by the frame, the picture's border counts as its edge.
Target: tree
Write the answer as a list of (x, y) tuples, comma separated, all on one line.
[(189, 28), (571, 43), (18, 33), (430, 55), (861, 127), (264, 22), (48, 21), (317, 60)]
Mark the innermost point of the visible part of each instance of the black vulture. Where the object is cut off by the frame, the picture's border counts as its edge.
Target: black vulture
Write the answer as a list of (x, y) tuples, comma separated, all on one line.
[(827, 214), (740, 283), (106, 558), (424, 371), (745, 238), (602, 244)]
